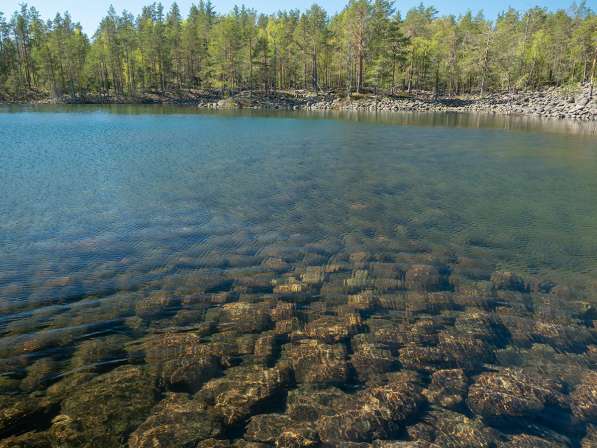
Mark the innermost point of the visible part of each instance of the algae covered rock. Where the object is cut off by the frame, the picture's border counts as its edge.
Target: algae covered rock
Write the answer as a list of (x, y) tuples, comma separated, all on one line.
[(423, 277), (532, 441), (448, 388), (512, 393), (371, 358), (508, 281), (181, 360), (119, 402), (236, 395), (334, 329), (176, 421), (373, 413), (455, 430), (28, 440), (17, 412), (584, 398), (316, 362), (267, 427)]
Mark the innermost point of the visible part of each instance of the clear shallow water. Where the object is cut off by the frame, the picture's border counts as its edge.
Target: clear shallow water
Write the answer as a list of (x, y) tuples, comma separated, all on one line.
[(103, 209)]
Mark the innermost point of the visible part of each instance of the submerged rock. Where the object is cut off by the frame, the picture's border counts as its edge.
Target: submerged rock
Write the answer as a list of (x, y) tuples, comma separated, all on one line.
[(508, 281), (106, 410), (375, 412), (18, 412), (176, 421), (182, 361), (512, 393), (316, 362), (531, 441), (584, 399), (370, 359), (451, 429), (310, 404), (423, 277), (266, 427), (334, 329), (242, 389), (28, 440), (448, 388)]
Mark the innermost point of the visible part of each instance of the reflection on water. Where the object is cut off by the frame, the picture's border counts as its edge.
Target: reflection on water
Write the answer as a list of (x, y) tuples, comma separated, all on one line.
[(295, 279)]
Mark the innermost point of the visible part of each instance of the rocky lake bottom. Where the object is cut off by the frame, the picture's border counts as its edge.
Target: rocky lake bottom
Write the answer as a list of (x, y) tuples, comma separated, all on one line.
[(177, 279)]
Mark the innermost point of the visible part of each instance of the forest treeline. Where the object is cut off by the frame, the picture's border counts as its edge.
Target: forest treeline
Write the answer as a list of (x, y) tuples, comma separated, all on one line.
[(368, 45)]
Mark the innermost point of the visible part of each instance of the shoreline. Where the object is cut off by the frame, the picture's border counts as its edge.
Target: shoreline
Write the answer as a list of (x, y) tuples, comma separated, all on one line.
[(550, 103)]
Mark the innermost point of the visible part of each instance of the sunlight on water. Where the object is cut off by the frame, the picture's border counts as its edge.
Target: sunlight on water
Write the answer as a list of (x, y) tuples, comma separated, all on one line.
[(135, 237)]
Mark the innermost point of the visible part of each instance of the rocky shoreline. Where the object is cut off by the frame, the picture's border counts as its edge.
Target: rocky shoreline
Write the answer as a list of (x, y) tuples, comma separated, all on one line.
[(552, 103), (549, 103)]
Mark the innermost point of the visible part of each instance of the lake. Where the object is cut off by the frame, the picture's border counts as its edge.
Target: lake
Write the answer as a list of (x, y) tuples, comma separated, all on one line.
[(201, 278)]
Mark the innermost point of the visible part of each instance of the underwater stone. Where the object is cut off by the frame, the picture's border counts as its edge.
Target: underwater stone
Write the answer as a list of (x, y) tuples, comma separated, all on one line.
[(584, 398), (512, 393), (364, 300), (313, 275), (120, 400), (358, 280), (154, 306), (508, 281), (213, 443), (181, 360), (316, 362), (265, 347), (374, 412), (455, 430), (334, 329), (176, 421), (590, 439), (309, 403), (422, 277), (266, 427), (530, 441), (448, 388), (243, 388), (247, 317), (283, 311), (297, 438), (285, 327), (275, 264), (91, 352), (370, 359), (28, 440), (40, 374), (17, 412)]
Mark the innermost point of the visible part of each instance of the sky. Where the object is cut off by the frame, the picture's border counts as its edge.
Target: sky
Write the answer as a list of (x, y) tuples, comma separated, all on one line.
[(90, 12)]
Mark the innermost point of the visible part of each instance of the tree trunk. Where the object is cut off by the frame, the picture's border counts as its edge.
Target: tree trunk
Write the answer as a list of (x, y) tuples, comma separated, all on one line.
[(593, 73)]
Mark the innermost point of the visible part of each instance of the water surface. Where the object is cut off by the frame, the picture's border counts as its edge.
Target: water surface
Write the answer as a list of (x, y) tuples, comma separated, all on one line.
[(104, 207)]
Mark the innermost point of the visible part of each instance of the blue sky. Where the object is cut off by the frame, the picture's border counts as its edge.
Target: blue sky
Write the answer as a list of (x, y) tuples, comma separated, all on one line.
[(89, 12)]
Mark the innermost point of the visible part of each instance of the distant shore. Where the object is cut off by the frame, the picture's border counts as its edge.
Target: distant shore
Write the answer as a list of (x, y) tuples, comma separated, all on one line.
[(552, 103)]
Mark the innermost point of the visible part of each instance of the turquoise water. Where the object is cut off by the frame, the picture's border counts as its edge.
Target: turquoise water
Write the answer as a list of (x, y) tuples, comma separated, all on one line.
[(102, 207)]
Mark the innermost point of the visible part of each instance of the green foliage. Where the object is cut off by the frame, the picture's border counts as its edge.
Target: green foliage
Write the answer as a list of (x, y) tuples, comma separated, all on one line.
[(366, 46)]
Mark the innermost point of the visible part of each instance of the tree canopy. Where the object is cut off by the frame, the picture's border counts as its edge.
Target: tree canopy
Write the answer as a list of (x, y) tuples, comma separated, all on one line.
[(367, 45)]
